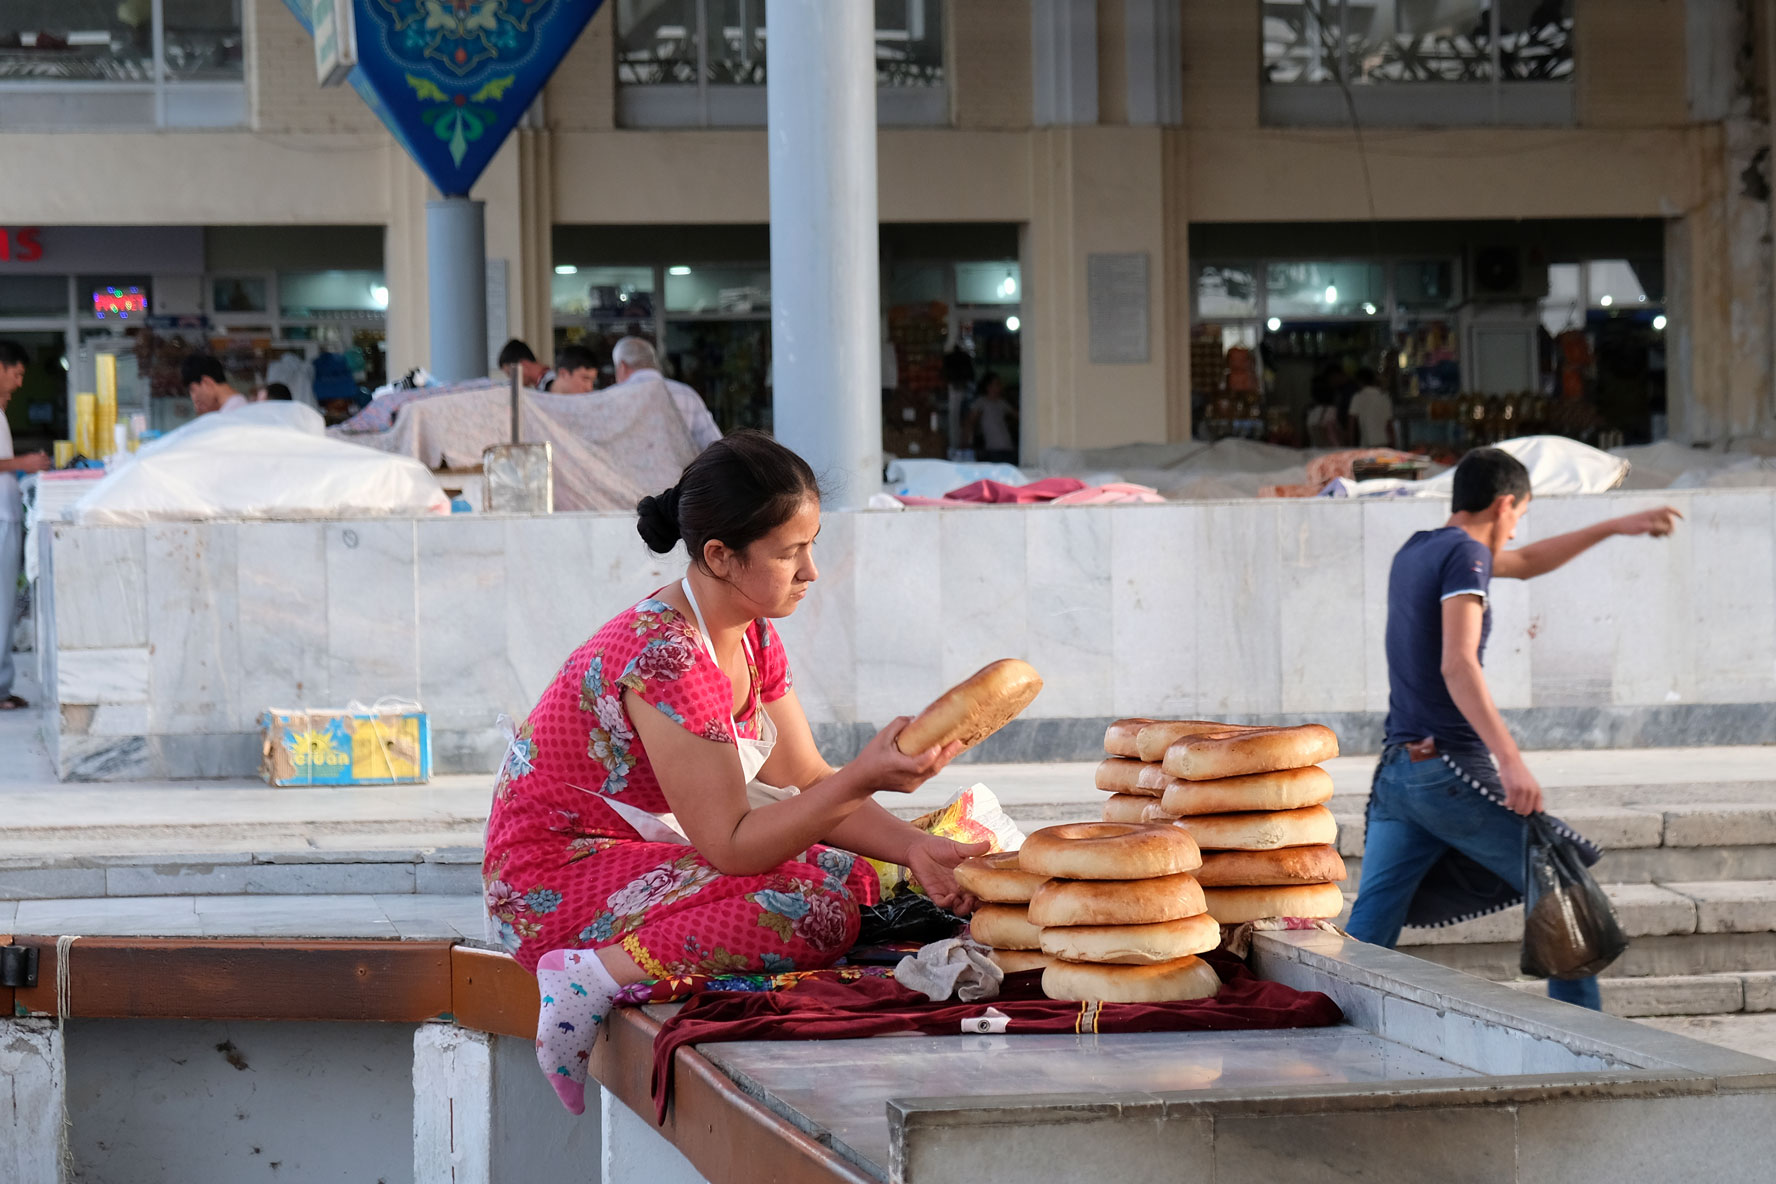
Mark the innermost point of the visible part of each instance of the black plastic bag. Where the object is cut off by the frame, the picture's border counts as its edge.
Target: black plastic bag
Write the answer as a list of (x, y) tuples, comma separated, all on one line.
[(906, 917), (1569, 928)]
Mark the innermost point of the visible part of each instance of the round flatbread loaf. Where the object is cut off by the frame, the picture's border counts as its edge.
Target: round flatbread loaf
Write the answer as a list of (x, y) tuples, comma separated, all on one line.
[(1018, 961), (1004, 927), (1286, 789), (1286, 865), (1261, 831), (1127, 807), (1116, 902), (1117, 775), (1119, 737), (1134, 945), (996, 878), (973, 709), (1165, 982), (1236, 906), (1240, 753), (1152, 741), (1107, 851)]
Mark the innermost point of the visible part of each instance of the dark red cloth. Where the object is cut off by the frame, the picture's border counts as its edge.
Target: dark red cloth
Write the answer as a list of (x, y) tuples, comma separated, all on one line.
[(1000, 493), (822, 1010)]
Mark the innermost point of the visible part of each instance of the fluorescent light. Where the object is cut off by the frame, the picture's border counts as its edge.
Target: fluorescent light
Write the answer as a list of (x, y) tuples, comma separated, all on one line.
[(1607, 301), (680, 270), (379, 295), (566, 269), (1659, 322), (1331, 294), (1013, 324), (1273, 324)]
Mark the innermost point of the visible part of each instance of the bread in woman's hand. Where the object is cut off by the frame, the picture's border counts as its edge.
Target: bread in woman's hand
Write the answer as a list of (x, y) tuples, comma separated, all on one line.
[(973, 709)]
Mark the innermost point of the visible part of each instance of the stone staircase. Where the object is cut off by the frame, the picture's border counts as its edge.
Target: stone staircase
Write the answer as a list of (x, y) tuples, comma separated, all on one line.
[(1693, 883)]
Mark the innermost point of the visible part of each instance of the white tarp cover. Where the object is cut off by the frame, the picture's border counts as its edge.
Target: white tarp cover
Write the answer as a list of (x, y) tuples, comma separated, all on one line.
[(1556, 465), (611, 447), (268, 460)]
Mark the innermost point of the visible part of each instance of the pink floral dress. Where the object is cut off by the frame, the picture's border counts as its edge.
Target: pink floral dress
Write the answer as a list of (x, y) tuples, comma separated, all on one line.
[(564, 871)]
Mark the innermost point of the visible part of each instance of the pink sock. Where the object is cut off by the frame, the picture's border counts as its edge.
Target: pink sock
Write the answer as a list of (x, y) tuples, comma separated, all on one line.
[(577, 992)]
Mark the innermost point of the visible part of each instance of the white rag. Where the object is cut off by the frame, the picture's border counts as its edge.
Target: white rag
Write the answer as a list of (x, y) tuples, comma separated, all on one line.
[(958, 966)]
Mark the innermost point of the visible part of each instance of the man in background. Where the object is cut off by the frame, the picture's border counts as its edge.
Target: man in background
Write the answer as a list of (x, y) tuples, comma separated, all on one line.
[(1372, 412), (576, 371), (207, 384), (13, 360), (531, 373), (638, 367), (275, 392)]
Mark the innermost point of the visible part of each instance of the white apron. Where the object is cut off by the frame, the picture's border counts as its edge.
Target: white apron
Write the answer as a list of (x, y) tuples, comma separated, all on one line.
[(664, 828)]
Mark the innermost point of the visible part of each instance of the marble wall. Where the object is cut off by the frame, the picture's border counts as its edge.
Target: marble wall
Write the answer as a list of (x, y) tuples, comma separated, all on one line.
[(165, 642)]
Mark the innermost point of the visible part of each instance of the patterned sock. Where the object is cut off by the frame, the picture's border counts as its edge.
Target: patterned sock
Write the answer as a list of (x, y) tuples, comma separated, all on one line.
[(577, 992)]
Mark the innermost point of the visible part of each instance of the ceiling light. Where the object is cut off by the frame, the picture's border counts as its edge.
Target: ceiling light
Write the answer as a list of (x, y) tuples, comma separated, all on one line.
[(1331, 294), (379, 295), (679, 270), (1607, 301), (566, 269), (1368, 309), (1008, 285), (1273, 324), (1013, 324), (1659, 322)]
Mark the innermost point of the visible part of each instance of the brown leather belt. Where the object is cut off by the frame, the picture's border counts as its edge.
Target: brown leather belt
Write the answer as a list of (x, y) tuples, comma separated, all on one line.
[(1422, 750)]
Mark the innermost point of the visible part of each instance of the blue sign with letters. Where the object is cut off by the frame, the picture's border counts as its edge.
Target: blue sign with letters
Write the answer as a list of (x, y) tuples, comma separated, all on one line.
[(452, 78)]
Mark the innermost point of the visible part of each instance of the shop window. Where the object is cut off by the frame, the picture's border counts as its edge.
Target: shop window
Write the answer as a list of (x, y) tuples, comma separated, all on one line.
[(1227, 291), (34, 296), (1425, 285), (730, 290), (93, 64), (604, 293), (1319, 290), (242, 293), (304, 294), (703, 63), (1410, 62), (1613, 283), (988, 283)]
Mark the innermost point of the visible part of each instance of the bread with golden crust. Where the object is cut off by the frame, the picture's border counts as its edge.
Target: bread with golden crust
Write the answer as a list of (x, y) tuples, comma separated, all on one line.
[(1108, 851), (974, 708), (1163, 982), (1242, 752), (1117, 774), (1152, 741), (1285, 789), (1004, 927), (1236, 906), (1286, 865), (1116, 902), (996, 878), (1134, 945), (1261, 830), (1119, 737)]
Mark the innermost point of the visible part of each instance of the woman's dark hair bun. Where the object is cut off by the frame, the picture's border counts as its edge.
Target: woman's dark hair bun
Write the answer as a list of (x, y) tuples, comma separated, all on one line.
[(657, 521), (737, 490)]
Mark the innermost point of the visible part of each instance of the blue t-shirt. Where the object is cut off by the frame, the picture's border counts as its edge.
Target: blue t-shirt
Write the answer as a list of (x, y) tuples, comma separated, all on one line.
[(1433, 566)]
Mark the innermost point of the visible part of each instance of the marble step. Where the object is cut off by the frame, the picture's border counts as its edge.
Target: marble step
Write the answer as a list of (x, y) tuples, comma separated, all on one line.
[(1682, 994), (429, 871)]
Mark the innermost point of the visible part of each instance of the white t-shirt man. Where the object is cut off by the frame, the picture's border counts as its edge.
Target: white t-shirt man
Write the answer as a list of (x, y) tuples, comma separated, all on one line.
[(1373, 411)]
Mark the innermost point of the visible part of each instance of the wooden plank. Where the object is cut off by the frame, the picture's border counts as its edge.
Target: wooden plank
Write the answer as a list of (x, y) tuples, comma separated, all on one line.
[(729, 1136), (167, 978), (490, 992)]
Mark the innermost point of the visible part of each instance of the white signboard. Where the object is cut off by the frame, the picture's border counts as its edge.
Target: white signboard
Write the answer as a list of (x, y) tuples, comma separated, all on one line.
[(1116, 299), (336, 40)]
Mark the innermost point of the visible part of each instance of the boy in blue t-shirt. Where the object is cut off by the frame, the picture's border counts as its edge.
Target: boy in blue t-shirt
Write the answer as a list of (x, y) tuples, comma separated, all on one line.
[(1437, 797)]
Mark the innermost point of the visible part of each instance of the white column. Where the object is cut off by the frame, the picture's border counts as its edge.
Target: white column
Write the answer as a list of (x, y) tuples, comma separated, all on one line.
[(1064, 62), (33, 1079), (634, 1152), (826, 334)]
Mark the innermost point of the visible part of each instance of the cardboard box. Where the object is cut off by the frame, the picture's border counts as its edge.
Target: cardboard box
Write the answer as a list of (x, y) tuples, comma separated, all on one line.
[(309, 747)]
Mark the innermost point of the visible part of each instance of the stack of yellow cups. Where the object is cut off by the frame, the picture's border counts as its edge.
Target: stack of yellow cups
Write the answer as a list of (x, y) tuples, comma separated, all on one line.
[(105, 421), (85, 420)]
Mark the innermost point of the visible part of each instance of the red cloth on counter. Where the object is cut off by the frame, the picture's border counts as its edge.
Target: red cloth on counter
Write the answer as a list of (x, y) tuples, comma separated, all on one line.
[(999, 493), (822, 1010)]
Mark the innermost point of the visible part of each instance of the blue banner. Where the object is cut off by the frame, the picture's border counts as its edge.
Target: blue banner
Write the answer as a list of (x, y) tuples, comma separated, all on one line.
[(452, 78)]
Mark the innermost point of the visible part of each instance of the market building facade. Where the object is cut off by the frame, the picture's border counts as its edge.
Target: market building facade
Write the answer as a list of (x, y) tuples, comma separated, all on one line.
[(1151, 219)]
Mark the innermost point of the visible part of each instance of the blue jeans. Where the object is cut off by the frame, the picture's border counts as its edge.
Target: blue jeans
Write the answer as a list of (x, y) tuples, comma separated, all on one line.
[(1417, 812)]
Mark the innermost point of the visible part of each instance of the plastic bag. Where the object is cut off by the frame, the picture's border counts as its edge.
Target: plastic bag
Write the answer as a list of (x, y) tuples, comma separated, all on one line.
[(907, 917), (1569, 928), (972, 816)]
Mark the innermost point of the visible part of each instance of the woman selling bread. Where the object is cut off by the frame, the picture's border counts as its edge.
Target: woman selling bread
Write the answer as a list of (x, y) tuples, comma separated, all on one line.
[(635, 831)]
